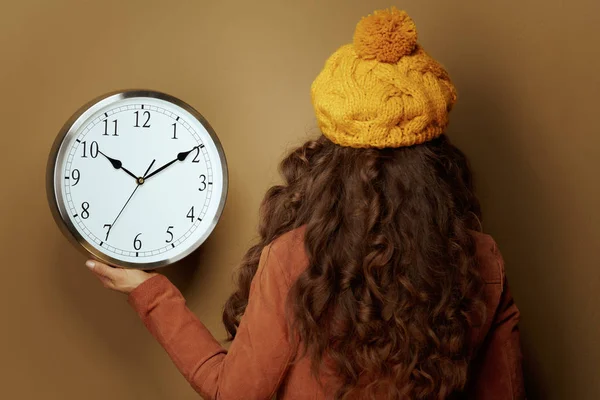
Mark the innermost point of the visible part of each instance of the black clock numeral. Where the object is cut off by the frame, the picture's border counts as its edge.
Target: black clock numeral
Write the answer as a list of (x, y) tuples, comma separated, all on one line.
[(196, 159), (109, 226), (85, 213), (93, 149), (75, 175), (203, 183), (174, 130), (137, 119), (190, 214), (137, 243), (170, 234), (106, 127)]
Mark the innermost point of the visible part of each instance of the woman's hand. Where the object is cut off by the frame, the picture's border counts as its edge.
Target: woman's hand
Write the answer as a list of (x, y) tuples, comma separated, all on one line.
[(119, 279)]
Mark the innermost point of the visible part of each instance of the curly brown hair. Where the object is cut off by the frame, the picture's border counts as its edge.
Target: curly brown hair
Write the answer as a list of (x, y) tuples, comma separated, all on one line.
[(392, 289)]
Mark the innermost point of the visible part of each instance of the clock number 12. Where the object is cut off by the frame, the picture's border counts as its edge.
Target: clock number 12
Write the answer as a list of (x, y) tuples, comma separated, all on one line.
[(137, 119)]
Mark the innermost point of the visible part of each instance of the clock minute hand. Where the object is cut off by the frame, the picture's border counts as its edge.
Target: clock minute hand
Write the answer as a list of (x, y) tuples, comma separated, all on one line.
[(180, 157), (161, 168), (148, 170), (117, 164)]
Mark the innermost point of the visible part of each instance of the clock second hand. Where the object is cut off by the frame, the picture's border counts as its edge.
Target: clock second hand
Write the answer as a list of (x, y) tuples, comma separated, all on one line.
[(129, 199)]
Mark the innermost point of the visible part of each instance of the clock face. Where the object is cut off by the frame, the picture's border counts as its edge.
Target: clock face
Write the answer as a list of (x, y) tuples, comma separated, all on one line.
[(139, 179)]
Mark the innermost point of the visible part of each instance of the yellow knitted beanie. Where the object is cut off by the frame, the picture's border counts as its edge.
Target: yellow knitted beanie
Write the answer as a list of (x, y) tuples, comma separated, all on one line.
[(383, 90)]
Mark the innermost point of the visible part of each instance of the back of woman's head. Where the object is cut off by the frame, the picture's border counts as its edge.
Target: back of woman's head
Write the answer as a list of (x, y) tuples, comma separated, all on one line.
[(392, 288), (392, 283)]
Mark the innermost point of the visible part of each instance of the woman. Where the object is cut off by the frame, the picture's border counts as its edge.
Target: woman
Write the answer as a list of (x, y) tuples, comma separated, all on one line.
[(372, 278)]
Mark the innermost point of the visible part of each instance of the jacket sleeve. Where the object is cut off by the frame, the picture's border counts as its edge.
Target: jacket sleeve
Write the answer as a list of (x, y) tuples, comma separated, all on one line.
[(496, 373), (258, 356)]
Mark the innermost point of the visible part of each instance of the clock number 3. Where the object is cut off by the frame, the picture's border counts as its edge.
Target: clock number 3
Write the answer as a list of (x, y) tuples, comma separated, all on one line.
[(203, 183)]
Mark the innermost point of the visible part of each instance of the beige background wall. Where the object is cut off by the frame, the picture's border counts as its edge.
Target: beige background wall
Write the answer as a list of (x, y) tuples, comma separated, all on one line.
[(528, 73)]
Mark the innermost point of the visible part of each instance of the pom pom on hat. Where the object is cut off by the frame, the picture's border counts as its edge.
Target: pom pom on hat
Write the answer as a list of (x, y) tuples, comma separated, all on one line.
[(386, 35)]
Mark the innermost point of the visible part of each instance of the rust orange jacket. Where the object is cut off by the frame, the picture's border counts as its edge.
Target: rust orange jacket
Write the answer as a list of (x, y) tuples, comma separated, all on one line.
[(261, 363)]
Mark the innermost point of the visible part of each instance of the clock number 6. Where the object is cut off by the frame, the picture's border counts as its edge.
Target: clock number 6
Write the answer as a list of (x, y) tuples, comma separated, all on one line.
[(137, 243)]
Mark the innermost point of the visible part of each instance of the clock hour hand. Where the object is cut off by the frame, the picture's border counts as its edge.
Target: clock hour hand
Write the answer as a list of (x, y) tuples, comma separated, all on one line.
[(180, 157), (118, 165)]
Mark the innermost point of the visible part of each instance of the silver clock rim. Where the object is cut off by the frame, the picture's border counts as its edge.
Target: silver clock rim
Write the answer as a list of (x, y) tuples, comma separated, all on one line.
[(70, 128)]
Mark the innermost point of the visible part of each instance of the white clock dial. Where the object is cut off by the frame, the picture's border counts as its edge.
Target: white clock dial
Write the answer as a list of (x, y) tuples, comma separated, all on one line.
[(139, 179)]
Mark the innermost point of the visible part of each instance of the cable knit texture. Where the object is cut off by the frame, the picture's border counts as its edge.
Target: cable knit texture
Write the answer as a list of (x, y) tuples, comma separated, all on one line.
[(383, 90)]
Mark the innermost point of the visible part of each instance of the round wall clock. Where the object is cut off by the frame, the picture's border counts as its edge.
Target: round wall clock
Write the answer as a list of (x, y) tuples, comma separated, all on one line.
[(137, 178)]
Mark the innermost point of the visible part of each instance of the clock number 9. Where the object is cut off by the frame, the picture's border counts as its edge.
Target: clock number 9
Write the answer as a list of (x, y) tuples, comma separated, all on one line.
[(137, 243), (93, 149), (75, 175), (137, 119)]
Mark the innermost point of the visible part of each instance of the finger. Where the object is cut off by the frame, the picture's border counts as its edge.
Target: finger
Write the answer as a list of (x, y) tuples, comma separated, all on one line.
[(103, 270)]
